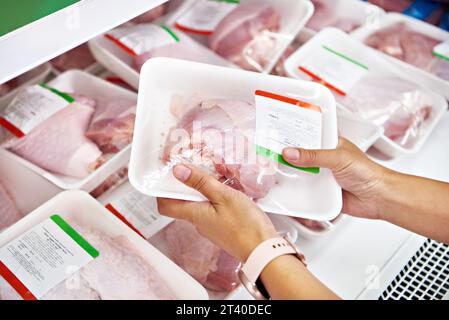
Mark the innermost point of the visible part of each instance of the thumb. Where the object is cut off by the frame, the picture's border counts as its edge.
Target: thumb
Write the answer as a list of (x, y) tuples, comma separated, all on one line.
[(312, 158), (208, 186)]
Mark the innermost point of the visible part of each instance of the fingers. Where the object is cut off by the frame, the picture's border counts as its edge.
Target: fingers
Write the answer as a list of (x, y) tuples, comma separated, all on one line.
[(211, 188), (330, 159), (179, 209)]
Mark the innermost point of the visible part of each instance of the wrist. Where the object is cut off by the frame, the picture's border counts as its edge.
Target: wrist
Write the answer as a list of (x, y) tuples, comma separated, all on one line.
[(249, 244), (389, 191)]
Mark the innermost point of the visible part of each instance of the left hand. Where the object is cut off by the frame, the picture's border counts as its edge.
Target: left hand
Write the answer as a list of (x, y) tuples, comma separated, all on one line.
[(229, 219)]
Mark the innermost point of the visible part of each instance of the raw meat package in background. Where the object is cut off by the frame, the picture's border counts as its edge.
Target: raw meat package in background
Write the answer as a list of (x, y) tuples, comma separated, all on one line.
[(151, 15), (346, 15), (78, 58), (81, 123), (215, 269), (125, 49), (210, 121), (9, 213), (410, 46), (126, 267), (371, 88), (393, 5), (250, 34)]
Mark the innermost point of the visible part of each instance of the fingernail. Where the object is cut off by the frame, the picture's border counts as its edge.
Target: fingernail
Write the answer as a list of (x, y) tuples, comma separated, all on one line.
[(182, 172), (291, 153)]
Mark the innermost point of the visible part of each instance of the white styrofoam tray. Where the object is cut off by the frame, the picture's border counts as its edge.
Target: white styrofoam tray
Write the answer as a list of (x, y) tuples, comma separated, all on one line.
[(82, 207), (294, 15), (342, 42), (296, 193), (119, 62), (423, 77), (76, 81)]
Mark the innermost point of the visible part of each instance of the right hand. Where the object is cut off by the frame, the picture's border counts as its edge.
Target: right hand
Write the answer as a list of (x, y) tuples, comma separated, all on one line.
[(362, 180)]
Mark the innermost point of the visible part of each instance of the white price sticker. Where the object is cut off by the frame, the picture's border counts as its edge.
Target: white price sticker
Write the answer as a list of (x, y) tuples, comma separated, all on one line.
[(43, 257), (205, 15), (335, 70), (32, 106), (442, 50), (142, 38), (283, 122), (139, 212)]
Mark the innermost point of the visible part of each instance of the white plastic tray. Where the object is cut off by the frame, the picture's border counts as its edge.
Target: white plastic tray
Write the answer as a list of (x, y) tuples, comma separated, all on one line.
[(294, 16), (162, 78), (119, 62), (88, 211), (420, 76), (340, 41), (85, 84)]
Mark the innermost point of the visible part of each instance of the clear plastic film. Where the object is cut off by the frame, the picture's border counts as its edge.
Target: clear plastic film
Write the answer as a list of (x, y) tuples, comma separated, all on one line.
[(327, 15), (215, 269), (9, 211), (401, 107), (410, 46)]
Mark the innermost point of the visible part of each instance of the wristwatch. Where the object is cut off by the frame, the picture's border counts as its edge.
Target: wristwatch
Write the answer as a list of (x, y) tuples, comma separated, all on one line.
[(264, 253)]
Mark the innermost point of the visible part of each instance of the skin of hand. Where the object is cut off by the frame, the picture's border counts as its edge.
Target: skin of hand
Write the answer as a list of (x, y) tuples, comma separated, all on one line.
[(362, 180), (229, 219)]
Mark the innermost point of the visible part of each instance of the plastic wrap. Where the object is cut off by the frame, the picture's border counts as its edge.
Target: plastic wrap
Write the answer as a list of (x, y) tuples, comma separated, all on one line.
[(326, 15), (207, 263), (151, 15), (413, 47), (9, 213), (145, 41), (401, 107), (112, 182), (78, 58)]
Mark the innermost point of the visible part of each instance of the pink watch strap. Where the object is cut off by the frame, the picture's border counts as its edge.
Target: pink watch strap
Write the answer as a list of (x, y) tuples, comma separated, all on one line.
[(266, 252)]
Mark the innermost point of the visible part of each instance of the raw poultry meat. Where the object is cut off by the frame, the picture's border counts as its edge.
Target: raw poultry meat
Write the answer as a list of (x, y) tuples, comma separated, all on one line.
[(151, 15), (59, 145), (199, 257), (247, 36), (78, 58), (185, 49), (4, 89), (8, 210), (325, 16), (411, 47), (400, 106), (119, 273), (392, 5), (113, 181), (112, 124), (219, 139)]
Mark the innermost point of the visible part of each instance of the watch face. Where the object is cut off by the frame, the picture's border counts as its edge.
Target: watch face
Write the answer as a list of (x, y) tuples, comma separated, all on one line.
[(15, 14)]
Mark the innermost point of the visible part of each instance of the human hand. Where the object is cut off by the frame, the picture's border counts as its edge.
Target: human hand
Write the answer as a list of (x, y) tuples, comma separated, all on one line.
[(229, 219), (362, 180)]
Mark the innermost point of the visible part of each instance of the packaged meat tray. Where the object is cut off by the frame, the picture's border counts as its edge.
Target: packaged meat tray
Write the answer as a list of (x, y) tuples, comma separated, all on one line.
[(410, 42), (81, 145), (210, 265), (108, 261), (125, 49), (251, 34), (346, 15), (372, 88), (188, 96)]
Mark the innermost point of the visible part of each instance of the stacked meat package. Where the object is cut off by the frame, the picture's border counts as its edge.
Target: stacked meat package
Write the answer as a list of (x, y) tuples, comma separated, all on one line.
[(225, 86)]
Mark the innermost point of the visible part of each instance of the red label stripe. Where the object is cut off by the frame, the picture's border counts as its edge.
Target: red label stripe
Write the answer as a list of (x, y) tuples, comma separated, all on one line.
[(121, 45), (16, 283), (318, 79), (191, 30), (11, 128), (288, 100), (122, 218)]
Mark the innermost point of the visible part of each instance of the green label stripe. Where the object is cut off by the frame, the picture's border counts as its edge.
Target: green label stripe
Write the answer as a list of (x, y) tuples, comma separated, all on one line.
[(277, 157), (170, 32), (440, 56), (75, 236), (341, 55), (63, 95)]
